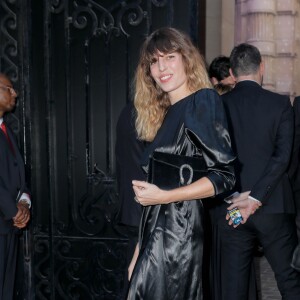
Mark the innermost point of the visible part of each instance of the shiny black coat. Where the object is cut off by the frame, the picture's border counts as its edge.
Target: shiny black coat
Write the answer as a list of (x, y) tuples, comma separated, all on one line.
[(171, 244)]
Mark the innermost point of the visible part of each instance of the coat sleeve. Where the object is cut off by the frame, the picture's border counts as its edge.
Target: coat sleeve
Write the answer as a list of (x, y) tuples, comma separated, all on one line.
[(206, 128), (8, 207)]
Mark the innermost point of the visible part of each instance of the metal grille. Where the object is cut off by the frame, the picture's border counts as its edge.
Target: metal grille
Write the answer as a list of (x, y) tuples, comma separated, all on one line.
[(73, 61)]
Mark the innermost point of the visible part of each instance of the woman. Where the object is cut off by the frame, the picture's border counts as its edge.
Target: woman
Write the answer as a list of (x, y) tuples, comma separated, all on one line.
[(179, 113)]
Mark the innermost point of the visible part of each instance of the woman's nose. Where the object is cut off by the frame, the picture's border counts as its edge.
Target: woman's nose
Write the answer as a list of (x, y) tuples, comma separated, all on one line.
[(161, 63)]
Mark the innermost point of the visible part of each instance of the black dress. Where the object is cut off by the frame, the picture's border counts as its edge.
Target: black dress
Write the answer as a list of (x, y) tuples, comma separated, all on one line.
[(128, 151), (169, 265)]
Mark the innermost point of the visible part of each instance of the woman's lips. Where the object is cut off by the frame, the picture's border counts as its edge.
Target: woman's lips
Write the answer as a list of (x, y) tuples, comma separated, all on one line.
[(165, 78)]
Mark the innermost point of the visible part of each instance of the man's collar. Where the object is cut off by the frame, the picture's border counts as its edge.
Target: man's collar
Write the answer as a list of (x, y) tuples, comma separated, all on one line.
[(248, 80)]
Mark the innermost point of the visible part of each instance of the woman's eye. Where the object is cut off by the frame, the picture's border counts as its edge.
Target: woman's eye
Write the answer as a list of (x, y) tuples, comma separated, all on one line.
[(152, 62), (170, 56)]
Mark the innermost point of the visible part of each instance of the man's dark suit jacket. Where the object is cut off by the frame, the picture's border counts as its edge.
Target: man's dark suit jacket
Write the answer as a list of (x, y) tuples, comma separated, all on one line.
[(12, 180), (294, 170), (263, 143)]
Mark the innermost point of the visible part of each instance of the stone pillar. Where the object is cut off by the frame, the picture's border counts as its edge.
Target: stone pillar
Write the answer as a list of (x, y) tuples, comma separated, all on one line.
[(285, 46), (270, 26), (227, 26), (296, 77), (257, 23)]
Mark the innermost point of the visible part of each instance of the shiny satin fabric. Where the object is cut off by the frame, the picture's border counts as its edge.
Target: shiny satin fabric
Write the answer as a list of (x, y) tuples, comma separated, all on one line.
[(169, 266), (166, 268)]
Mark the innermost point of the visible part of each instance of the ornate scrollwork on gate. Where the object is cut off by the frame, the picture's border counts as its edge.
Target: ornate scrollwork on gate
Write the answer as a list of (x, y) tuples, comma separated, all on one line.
[(133, 14), (100, 24), (42, 269), (97, 209), (159, 3), (104, 20), (88, 269), (9, 45), (57, 6)]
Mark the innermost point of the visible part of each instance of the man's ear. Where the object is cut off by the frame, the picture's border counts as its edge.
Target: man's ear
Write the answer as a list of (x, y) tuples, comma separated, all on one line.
[(231, 74), (214, 80), (262, 68)]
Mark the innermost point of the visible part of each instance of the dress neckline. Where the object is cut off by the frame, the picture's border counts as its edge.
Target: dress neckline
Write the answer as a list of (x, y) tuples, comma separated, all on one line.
[(181, 101)]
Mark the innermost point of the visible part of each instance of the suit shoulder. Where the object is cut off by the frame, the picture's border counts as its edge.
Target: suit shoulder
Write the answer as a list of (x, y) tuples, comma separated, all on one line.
[(274, 95), (277, 100), (257, 93)]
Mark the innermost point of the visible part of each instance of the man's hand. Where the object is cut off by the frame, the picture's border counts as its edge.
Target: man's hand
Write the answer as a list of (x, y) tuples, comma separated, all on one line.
[(23, 215), (247, 207), (240, 196)]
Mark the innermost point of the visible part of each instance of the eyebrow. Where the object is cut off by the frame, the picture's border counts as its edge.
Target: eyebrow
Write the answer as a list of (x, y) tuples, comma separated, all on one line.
[(163, 54)]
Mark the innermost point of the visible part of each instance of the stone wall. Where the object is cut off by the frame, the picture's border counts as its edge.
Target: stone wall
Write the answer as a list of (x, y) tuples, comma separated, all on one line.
[(271, 25)]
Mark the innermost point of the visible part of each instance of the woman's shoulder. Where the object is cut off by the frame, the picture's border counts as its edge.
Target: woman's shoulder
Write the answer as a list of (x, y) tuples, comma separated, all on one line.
[(208, 97), (206, 93)]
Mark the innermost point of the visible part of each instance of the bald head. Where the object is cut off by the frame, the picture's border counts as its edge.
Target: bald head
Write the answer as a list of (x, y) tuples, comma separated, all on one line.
[(7, 95), (4, 76)]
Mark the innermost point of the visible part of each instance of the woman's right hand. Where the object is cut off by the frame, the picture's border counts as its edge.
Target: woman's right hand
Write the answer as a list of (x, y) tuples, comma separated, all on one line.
[(133, 261), (148, 194)]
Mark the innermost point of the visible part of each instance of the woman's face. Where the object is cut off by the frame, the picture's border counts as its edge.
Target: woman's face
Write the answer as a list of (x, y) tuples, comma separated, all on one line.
[(168, 72)]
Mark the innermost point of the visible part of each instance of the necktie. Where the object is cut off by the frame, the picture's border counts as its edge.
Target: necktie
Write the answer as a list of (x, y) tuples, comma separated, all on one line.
[(3, 127)]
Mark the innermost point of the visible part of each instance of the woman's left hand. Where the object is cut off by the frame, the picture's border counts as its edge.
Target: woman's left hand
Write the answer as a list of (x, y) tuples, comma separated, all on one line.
[(148, 194)]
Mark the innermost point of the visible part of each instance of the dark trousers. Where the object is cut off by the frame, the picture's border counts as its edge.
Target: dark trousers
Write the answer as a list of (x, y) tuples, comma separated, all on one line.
[(297, 204), (8, 257), (277, 235)]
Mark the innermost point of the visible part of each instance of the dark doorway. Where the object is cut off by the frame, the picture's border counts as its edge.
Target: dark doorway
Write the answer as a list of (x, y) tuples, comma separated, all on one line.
[(73, 61)]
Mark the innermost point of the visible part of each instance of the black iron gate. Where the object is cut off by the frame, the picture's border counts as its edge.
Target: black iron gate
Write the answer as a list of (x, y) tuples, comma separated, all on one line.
[(73, 61)]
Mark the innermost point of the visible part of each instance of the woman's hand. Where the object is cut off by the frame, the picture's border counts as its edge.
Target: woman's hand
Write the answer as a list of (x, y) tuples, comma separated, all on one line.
[(148, 194)]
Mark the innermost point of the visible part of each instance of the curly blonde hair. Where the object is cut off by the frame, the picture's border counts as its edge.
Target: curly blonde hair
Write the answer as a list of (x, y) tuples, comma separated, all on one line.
[(150, 101)]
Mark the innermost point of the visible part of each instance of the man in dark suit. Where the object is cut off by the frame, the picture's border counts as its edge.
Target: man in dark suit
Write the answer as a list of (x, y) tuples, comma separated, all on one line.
[(14, 201), (128, 159), (294, 169), (294, 174), (261, 126)]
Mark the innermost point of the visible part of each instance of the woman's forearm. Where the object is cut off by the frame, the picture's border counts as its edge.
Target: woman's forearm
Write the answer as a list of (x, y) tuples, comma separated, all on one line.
[(202, 188), (150, 194)]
